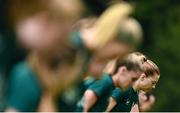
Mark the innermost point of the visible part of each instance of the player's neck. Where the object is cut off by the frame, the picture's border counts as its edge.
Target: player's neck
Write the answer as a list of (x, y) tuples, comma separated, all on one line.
[(115, 80), (135, 88)]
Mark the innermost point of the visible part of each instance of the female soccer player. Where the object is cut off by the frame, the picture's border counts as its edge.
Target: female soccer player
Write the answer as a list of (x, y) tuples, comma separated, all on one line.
[(126, 101), (96, 96)]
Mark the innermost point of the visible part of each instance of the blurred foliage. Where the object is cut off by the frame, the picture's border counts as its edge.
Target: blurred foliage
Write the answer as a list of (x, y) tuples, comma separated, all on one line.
[(161, 24)]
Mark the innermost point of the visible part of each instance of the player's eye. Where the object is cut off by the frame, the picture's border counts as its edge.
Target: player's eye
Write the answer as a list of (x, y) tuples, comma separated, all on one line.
[(134, 79), (153, 83)]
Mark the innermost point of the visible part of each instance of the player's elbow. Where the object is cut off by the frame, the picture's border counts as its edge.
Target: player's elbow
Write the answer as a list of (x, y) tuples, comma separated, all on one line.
[(89, 99)]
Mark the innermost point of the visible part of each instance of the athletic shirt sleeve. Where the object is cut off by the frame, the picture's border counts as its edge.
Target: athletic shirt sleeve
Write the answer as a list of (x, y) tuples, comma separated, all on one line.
[(117, 94), (136, 98), (24, 90), (76, 40), (102, 86)]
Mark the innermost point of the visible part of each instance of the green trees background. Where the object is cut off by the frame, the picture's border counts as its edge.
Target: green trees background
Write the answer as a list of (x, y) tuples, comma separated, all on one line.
[(161, 25)]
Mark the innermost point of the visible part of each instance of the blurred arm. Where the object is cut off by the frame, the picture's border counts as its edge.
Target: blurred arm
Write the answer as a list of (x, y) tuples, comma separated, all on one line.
[(47, 103), (11, 110), (135, 108), (90, 99), (112, 104), (147, 105)]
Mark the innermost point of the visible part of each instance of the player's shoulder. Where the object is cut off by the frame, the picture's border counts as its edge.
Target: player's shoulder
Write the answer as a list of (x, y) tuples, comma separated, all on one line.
[(118, 90), (104, 83), (105, 79), (21, 71)]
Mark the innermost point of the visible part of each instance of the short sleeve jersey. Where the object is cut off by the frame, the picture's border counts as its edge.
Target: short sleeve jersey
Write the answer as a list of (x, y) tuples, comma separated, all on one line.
[(102, 88), (125, 99)]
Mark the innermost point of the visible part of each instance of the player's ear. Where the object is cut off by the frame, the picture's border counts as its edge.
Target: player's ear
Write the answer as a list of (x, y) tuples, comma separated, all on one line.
[(123, 69), (142, 76)]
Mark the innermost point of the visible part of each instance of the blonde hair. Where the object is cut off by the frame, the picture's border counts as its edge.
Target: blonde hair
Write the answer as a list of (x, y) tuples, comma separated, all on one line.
[(131, 32), (150, 68), (142, 58), (108, 23)]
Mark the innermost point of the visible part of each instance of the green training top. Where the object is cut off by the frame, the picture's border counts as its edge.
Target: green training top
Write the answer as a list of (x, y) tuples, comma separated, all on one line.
[(24, 91), (102, 88), (125, 99)]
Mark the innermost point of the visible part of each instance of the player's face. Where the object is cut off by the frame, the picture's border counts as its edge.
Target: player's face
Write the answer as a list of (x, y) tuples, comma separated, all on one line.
[(48, 30), (41, 32), (149, 83)]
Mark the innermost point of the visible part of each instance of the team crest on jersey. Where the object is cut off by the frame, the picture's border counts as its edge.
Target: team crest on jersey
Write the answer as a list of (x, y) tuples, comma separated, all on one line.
[(127, 101)]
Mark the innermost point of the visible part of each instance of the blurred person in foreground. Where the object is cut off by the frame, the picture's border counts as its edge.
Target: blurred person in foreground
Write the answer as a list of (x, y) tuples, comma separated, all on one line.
[(35, 83), (10, 52), (45, 34), (113, 34)]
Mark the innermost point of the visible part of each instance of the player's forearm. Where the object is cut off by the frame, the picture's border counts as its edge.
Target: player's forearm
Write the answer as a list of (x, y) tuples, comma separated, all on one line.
[(109, 108), (88, 105), (11, 110), (135, 108), (112, 104)]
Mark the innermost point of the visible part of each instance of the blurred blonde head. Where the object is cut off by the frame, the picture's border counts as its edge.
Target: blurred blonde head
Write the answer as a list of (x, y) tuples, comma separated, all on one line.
[(108, 23), (130, 32)]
